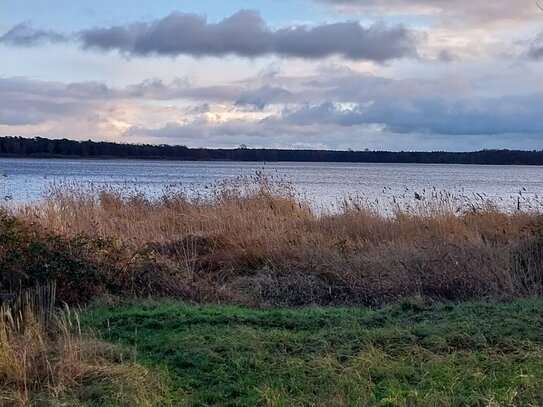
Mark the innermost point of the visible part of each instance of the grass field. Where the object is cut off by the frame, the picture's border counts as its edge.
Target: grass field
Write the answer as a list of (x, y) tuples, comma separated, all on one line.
[(409, 354)]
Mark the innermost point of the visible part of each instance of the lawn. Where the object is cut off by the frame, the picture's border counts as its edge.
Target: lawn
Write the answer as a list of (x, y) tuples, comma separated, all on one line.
[(408, 354)]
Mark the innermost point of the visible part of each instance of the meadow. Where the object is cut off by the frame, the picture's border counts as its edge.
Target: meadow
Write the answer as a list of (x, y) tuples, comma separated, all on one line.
[(250, 296), (408, 354)]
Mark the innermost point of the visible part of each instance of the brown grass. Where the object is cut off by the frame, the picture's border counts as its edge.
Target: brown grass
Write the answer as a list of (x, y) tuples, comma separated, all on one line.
[(57, 365), (257, 242)]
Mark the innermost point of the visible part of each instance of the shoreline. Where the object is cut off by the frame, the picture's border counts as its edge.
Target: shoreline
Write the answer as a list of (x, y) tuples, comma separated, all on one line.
[(191, 160), (40, 147)]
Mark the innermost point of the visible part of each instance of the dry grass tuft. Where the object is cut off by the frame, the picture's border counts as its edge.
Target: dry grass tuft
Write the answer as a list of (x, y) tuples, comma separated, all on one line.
[(57, 365)]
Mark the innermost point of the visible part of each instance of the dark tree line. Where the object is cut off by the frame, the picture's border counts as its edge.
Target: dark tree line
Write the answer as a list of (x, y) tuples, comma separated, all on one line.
[(43, 147)]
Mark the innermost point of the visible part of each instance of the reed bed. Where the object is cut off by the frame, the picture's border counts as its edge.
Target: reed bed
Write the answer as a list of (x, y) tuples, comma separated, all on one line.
[(257, 242)]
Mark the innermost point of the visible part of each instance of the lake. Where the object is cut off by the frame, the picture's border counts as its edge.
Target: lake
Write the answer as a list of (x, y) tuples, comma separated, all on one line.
[(26, 180)]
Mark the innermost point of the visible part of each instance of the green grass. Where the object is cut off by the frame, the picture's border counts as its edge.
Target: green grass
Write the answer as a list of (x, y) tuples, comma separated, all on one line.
[(410, 354)]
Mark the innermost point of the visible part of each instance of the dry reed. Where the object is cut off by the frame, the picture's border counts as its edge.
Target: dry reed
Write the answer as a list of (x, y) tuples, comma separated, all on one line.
[(257, 242)]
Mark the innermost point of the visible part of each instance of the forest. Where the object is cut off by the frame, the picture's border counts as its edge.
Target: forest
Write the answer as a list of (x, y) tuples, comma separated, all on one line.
[(40, 147)]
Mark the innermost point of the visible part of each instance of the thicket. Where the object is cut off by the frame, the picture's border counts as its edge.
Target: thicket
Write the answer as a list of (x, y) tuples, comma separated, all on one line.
[(82, 266)]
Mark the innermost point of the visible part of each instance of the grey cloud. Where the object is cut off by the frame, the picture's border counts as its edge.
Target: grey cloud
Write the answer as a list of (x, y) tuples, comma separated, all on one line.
[(350, 39), (340, 102), (21, 117), (276, 132), (483, 116), (266, 133), (26, 102), (27, 111), (324, 113), (20, 87), (246, 34), (263, 96), (535, 47), (446, 56), (490, 116), (155, 88), (269, 72), (362, 88), (24, 35), (15, 88), (82, 90), (201, 108)]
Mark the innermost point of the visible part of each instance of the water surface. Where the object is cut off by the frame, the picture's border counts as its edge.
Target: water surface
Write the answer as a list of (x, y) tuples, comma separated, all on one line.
[(26, 180)]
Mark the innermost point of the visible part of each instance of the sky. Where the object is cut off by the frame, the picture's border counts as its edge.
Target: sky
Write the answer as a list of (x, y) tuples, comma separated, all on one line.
[(393, 75)]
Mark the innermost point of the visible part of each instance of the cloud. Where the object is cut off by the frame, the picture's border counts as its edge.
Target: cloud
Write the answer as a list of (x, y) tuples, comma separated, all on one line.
[(482, 116), (27, 102), (274, 132), (27, 111), (535, 47), (15, 88), (271, 132), (446, 56), (353, 87), (263, 96), (469, 30), (338, 86), (24, 35), (350, 39), (332, 108), (179, 88), (246, 34), (461, 12), (20, 117)]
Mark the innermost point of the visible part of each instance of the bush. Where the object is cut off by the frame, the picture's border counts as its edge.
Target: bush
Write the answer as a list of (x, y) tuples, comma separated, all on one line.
[(82, 267)]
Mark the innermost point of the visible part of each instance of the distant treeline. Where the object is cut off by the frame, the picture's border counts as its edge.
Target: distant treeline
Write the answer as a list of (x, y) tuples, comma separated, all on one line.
[(43, 147)]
